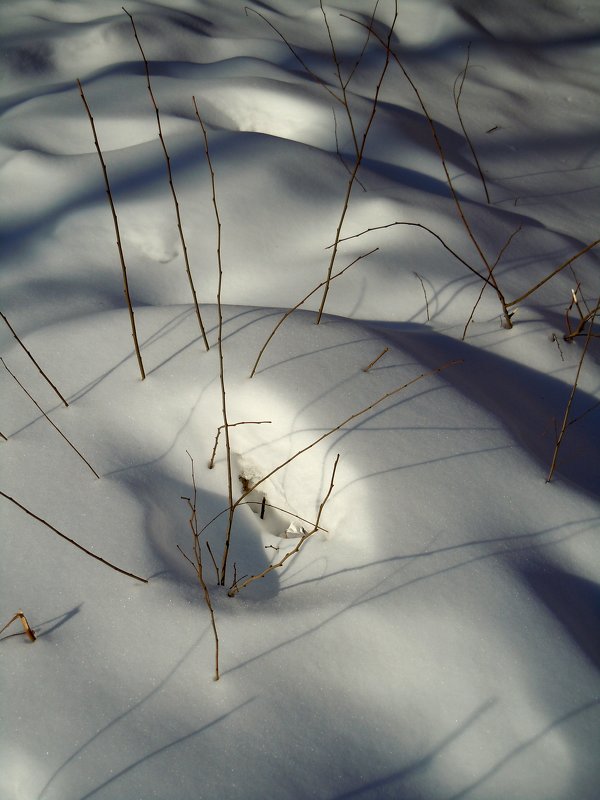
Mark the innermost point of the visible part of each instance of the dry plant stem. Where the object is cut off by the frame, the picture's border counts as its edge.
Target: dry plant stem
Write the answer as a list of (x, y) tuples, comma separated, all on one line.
[(375, 360), (579, 329), (211, 463), (56, 428), (554, 272), (442, 155), (237, 587), (290, 311), (117, 233), (416, 274), (565, 421), (171, 184), (494, 265), (352, 417), (73, 542), (2, 436), (425, 228), (254, 503), (197, 564), (357, 163), (39, 369), (457, 95), (220, 351), (28, 630)]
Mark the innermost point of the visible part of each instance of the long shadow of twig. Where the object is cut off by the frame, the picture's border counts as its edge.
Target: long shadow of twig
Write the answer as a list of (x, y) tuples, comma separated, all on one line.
[(118, 719), (516, 751), (424, 761), (165, 747)]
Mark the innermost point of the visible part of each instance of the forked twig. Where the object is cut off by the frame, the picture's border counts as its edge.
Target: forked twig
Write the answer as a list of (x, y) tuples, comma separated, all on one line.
[(117, 233), (39, 369), (56, 428), (211, 463), (171, 184), (197, 565), (290, 311), (73, 542), (420, 279), (27, 629), (565, 420), (237, 586)]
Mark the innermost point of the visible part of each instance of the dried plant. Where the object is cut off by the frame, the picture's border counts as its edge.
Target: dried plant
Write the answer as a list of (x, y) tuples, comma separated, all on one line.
[(117, 233), (27, 629)]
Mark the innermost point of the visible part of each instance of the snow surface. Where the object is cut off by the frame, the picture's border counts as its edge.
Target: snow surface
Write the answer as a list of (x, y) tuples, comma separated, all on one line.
[(440, 639)]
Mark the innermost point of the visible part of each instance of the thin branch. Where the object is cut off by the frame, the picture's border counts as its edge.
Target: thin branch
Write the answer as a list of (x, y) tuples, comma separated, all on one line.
[(494, 265), (73, 542), (554, 272), (290, 311), (197, 565), (565, 421), (358, 161), (416, 274), (56, 428), (211, 463), (457, 95), (237, 587), (375, 360), (117, 233), (220, 350), (171, 184), (39, 369)]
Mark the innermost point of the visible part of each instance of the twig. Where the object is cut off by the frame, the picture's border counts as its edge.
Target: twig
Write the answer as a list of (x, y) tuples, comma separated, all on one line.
[(458, 205), (375, 360), (290, 311), (28, 630), (117, 233), (220, 350), (565, 421), (211, 463), (494, 265), (56, 428), (357, 163), (457, 95), (73, 542), (416, 274), (554, 272), (39, 369), (171, 184), (197, 564), (237, 587)]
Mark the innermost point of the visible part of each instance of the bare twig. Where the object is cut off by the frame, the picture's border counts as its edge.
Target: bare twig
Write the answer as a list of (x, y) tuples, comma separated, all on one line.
[(358, 161), (27, 629), (494, 265), (554, 272), (290, 311), (416, 274), (56, 428), (73, 542), (197, 564), (171, 184), (375, 360), (565, 421), (211, 463), (237, 587), (457, 92), (39, 369), (220, 350), (117, 233)]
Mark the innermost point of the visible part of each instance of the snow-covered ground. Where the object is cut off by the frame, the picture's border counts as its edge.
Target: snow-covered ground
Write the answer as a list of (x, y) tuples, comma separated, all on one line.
[(440, 638)]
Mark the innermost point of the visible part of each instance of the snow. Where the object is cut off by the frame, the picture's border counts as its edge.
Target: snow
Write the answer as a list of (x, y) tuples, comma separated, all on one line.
[(438, 637)]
